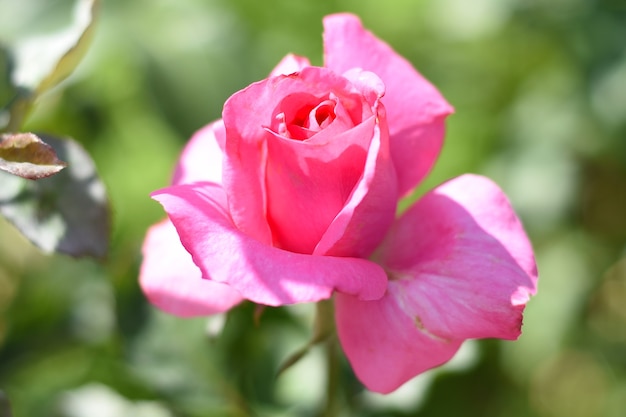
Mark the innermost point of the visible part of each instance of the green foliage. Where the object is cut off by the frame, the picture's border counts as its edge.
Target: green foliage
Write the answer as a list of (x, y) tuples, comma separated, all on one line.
[(5, 407), (66, 213), (41, 62)]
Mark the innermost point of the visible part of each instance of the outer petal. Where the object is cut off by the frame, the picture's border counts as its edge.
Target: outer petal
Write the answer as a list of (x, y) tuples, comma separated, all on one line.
[(385, 346), (416, 110), (461, 262), (172, 282), (201, 159), (259, 272), (460, 267), (289, 64)]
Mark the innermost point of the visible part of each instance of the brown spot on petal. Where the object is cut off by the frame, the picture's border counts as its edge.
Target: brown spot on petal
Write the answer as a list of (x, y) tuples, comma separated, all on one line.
[(420, 326)]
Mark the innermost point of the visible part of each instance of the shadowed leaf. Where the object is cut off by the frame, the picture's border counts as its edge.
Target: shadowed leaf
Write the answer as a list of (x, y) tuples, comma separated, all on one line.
[(27, 156), (5, 408), (7, 90), (65, 213)]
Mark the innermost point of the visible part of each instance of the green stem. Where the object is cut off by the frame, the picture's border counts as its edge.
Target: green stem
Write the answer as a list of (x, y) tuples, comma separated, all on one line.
[(325, 323), (17, 115), (332, 406), (19, 107)]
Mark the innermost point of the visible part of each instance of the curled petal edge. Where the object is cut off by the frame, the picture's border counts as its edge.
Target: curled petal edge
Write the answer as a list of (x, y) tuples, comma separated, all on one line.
[(259, 272)]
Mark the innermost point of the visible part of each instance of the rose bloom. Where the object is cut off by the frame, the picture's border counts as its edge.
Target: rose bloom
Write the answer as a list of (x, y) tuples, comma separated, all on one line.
[(292, 198)]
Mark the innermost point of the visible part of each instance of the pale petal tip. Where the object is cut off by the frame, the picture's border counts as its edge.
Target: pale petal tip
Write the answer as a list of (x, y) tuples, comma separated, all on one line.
[(522, 296), (290, 64), (342, 17)]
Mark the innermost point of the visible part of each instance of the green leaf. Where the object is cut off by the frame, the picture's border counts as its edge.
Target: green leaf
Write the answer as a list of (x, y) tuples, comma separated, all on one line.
[(68, 212), (44, 61), (27, 156)]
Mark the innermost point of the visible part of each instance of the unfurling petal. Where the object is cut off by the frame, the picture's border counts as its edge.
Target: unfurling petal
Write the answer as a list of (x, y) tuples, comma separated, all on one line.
[(415, 109), (259, 272), (289, 64), (172, 282), (460, 267)]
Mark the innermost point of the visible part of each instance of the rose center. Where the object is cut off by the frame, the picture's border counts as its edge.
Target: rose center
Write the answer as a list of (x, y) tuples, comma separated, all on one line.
[(300, 116)]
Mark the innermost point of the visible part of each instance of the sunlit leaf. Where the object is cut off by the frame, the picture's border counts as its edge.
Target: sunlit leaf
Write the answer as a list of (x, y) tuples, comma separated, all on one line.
[(27, 156), (44, 61), (68, 212)]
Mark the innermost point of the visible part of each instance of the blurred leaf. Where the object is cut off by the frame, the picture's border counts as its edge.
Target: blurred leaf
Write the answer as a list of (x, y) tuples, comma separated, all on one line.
[(323, 328), (5, 408), (27, 156), (66, 213), (7, 90), (44, 61)]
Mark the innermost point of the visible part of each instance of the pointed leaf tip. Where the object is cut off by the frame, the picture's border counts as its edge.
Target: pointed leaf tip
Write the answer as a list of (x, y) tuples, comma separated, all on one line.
[(27, 156)]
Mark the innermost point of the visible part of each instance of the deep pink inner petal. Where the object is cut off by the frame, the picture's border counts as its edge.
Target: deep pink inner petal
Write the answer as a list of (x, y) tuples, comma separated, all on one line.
[(370, 210), (309, 184), (322, 115), (263, 113), (299, 116)]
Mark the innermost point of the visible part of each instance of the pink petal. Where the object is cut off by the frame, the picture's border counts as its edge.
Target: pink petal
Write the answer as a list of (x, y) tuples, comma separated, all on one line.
[(259, 272), (307, 185), (385, 347), (416, 110), (172, 282), (370, 210), (201, 159), (369, 84), (249, 159), (290, 64), (460, 262), (460, 267)]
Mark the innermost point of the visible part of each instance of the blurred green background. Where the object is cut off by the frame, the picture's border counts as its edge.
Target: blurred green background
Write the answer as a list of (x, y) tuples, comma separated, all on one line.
[(539, 88)]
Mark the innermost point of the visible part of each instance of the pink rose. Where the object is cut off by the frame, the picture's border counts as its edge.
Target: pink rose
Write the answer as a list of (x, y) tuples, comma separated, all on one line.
[(292, 196)]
